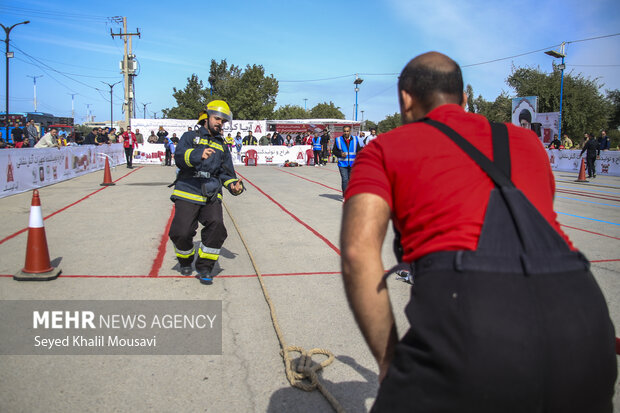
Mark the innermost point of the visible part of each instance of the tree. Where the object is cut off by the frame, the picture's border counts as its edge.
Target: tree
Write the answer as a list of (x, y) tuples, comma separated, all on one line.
[(583, 107), (290, 112), (613, 96), (368, 125), (326, 111), (390, 122), (471, 107), (496, 111), (249, 93), (190, 101)]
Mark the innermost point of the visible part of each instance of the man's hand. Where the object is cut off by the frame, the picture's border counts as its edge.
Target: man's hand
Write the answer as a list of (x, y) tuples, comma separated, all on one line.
[(207, 152), (236, 188)]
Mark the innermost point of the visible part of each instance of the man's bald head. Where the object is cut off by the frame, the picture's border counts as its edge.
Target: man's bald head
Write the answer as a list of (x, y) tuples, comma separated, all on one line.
[(432, 79)]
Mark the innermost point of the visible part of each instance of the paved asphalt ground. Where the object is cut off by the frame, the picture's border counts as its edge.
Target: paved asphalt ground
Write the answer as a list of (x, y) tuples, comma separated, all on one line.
[(109, 243)]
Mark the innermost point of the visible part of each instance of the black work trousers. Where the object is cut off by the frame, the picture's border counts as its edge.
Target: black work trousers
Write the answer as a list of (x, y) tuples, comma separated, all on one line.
[(168, 161), (317, 157), (187, 215), (129, 157), (591, 166), (503, 342)]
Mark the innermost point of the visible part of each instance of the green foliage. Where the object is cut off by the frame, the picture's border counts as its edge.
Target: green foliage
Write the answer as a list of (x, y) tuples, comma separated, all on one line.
[(190, 101), (326, 111), (613, 97), (390, 122), (368, 125), (583, 107), (496, 111), (290, 112), (249, 93), (471, 107)]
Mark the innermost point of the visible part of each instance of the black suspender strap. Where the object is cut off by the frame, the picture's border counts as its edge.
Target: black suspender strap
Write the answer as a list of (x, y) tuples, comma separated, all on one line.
[(499, 169)]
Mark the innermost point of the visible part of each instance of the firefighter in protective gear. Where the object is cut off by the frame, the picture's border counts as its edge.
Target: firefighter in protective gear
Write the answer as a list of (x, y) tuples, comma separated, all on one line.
[(205, 167)]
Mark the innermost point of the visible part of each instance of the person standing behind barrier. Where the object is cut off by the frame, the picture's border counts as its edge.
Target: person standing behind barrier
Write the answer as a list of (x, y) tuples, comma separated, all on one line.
[(205, 167), (603, 141), (250, 139), (32, 132), (161, 135), (230, 142), (152, 138), (567, 142), (592, 151), (238, 144), (167, 143), (346, 148), (277, 139), (316, 150), (324, 147), (504, 314), (129, 143), (49, 140), (265, 140)]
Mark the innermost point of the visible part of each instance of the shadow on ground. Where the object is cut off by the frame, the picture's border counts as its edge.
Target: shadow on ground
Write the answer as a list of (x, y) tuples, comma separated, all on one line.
[(351, 395), (335, 197)]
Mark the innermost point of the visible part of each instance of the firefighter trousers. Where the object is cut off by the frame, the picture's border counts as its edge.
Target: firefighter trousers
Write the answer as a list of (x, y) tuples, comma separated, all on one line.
[(187, 215)]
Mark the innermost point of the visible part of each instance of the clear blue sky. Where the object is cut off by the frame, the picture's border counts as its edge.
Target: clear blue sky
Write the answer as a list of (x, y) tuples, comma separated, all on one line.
[(294, 41)]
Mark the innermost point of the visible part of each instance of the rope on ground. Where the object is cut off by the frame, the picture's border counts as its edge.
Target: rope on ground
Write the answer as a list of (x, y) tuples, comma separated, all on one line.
[(303, 372)]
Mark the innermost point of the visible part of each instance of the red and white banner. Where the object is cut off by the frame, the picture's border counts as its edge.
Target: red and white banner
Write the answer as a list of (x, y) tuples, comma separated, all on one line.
[(29, 168)]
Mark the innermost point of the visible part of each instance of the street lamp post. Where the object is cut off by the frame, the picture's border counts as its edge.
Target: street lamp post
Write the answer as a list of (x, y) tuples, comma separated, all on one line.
[(560, 54), (8, 55), (358, 81), (111, 106)]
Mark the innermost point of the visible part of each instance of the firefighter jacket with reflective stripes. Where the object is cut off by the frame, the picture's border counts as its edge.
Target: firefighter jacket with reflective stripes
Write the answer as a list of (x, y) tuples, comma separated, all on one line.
[(316, 143), (346, 153), (201, 180)]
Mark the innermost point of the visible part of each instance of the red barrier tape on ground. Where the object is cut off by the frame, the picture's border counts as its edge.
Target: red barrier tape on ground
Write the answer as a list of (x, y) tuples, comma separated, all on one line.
[(315, 232), (591, 232), (67, 207), (291, 274), (161, 251), (310, 180)]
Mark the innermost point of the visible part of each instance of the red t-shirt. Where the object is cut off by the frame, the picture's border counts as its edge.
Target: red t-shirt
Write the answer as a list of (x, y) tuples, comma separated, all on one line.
[(437, 194)]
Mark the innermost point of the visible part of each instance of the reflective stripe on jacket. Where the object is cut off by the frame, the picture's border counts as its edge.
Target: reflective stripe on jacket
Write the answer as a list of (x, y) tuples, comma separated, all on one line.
[(316, 143), (348, 153)]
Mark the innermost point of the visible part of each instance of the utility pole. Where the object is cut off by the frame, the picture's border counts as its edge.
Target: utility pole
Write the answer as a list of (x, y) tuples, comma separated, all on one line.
[(111, 105), (155, 115), (128, 68), (72, 105), (88, 112), (305, 104), (34, 78), (7, 31), (144, 107)]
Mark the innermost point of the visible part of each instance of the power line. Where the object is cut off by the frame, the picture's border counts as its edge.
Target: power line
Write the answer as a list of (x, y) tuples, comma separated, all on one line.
[(468, 65), (57, 15)]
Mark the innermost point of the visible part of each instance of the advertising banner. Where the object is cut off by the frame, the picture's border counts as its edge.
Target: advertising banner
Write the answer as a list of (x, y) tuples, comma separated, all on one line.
[(569, 161), (180, 126), (29, 168)]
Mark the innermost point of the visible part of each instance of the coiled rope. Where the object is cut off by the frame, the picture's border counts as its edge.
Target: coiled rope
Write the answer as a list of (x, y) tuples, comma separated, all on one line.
[(303, 372)]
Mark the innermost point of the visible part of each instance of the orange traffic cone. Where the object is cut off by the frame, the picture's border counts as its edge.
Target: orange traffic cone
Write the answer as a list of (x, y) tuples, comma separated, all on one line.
[(107, 176), (582, 172), (38, 266)]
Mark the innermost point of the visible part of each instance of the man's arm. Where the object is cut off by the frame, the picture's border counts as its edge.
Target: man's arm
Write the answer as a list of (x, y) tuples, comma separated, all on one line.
[(364, 224)]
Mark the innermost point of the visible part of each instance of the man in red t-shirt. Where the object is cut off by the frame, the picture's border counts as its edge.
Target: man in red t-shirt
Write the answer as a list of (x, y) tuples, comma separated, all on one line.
[(504, 313), (129, 143)]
